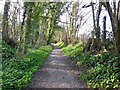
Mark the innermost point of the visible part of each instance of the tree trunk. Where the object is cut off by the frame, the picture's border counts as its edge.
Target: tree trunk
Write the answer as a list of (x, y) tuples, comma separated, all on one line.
[(97, 26), (23, 22), (28, 28), (115, 21), (104, 33), (5, 27), (94, 45)]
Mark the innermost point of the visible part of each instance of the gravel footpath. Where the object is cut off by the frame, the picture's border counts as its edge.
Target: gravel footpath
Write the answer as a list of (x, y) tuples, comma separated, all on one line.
[(58, 71)]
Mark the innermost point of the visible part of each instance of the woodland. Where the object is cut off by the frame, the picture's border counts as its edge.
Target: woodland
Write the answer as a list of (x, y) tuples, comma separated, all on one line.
[(29, 30)]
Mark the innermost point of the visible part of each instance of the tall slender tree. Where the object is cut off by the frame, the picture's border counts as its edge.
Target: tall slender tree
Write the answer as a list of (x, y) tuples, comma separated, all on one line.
[(114, 14), (5, 25)]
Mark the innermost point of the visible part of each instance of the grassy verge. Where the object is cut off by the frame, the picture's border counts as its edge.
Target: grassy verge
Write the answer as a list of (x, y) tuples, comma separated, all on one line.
[(16, 74), (103, 69)]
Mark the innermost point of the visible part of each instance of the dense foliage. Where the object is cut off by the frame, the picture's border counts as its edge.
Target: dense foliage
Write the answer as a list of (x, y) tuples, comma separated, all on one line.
[(103, 69), (7, 51), (17, 73)]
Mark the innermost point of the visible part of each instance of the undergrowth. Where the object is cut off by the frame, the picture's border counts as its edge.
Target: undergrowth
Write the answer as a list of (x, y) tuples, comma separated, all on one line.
[(16, 74), (103, 69)]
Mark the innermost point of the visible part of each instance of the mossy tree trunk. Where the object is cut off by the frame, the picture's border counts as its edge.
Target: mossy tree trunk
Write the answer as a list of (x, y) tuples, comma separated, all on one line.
[(28, 27), (5, 28)]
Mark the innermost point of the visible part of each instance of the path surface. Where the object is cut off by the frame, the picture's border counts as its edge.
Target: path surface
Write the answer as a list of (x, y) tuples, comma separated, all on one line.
[(57, 72)]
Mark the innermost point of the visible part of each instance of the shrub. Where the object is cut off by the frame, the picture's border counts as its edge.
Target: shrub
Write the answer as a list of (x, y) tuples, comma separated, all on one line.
[(103, 69)]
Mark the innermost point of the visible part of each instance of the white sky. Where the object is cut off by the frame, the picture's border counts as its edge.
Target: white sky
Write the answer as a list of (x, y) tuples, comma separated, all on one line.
[(88, 26), (1, 6)]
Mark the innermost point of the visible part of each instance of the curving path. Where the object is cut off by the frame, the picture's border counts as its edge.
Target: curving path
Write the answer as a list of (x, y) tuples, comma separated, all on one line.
[(58, 71)]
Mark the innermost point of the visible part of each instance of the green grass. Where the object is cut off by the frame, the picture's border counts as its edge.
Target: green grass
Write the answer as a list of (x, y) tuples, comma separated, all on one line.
[(103, 69), (16, 74)]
